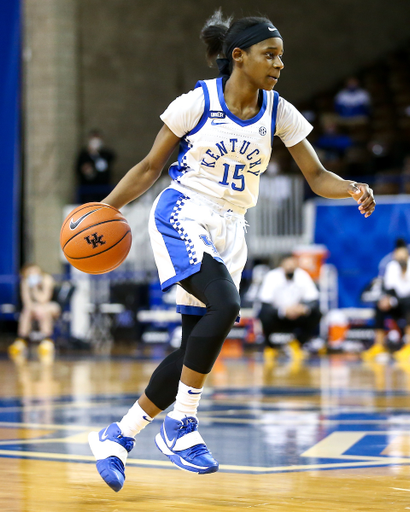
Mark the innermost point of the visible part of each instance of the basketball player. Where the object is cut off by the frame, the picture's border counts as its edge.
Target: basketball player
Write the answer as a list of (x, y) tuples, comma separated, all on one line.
[(224, 129)]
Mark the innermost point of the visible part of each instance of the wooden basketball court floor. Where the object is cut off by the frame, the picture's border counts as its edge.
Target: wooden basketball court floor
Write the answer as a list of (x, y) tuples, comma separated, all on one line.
[(332, 434)]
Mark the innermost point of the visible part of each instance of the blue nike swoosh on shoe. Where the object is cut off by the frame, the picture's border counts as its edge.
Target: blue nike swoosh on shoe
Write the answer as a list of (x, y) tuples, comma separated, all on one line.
[(194, 392)]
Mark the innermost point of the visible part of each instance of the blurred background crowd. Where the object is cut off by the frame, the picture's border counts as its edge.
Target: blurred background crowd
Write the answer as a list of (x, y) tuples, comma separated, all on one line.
[(85, 85)]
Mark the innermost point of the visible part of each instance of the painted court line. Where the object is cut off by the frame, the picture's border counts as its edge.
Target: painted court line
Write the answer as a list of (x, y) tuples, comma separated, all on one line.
[(372, 462)]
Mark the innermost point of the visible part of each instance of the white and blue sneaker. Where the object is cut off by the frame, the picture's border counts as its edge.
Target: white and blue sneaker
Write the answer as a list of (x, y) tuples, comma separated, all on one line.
[(110, 448), (181, 442)]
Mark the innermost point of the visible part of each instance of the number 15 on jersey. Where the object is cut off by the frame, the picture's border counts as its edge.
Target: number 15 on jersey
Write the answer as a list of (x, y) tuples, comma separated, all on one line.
[(238, 179)]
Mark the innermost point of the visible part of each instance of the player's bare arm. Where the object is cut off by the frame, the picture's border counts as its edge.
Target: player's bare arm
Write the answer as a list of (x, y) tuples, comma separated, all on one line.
[(327, 184), (143, 175)]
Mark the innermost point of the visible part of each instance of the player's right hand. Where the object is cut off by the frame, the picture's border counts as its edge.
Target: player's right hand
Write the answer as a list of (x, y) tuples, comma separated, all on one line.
[(363, 195)]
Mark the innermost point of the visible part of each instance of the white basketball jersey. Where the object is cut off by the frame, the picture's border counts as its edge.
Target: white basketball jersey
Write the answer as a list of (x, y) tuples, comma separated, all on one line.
[(224, 156)]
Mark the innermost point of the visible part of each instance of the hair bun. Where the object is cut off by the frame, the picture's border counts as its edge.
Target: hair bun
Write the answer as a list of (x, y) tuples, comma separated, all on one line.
[(213, 34)]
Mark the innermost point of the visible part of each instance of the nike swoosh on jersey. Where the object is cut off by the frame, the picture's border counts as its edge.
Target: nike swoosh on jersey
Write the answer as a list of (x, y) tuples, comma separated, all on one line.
[(216, 123), (74, 224)]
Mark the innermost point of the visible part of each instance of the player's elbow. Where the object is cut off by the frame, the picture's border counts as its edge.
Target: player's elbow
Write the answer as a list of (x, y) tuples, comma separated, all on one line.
[(315, 180)]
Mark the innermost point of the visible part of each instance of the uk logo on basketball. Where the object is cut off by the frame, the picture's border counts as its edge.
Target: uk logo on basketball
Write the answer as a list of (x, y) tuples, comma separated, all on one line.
[(94, 240)]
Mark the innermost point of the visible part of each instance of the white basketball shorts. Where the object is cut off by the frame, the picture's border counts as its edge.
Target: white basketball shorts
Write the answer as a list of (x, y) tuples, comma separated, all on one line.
[(183, 225)]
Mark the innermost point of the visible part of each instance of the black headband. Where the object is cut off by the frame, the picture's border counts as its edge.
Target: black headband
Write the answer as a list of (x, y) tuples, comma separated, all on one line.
[(249, 37)]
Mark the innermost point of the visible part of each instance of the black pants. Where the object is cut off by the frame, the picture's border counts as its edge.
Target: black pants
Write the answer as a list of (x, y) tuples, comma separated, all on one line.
[(202, 336), (401, 311), (303, 328)]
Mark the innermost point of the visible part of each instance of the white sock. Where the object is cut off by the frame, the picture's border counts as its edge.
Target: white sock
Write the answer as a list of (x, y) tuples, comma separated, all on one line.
[(134, 421), (187, 401)]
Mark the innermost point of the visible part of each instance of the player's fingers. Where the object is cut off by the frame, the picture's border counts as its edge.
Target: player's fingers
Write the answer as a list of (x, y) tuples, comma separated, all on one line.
[(369, 201), (369, 210)]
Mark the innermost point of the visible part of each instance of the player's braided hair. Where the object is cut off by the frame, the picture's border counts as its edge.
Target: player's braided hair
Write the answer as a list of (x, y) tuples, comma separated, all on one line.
[(219, 32)]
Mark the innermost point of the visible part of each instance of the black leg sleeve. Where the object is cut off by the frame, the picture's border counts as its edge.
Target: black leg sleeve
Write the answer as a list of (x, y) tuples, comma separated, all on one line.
[(163, 385), (202, 336), (214, 287)]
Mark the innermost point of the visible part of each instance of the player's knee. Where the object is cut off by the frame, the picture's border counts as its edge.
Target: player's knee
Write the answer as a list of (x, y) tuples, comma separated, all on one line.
[(232, 307), (227, 301)]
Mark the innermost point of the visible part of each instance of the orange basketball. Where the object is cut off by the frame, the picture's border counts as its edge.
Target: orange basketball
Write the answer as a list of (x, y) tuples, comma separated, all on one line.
[(95, 238)]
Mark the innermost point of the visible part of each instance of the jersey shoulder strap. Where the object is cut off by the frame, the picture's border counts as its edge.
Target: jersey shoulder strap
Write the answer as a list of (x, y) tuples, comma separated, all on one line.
[(274, 113), (205, 114)]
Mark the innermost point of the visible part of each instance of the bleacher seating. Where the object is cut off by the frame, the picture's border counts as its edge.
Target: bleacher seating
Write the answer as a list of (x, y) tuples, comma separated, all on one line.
[(381, 145)]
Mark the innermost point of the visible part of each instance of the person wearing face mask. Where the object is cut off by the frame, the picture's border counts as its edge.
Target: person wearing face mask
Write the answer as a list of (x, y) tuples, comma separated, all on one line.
[(395, 303), (94, 166), (36, 289), (290, 304), (352, 103)]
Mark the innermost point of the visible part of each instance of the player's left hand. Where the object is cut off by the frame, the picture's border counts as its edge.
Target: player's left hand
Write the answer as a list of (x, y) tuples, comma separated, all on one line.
[(363, 195)]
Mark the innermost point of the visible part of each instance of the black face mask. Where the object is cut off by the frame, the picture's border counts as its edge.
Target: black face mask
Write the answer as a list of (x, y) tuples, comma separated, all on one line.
[(289, 275), (403, 264)]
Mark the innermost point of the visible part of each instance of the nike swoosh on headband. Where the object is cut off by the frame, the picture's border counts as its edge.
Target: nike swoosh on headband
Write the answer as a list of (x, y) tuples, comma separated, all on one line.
[(74, 224)]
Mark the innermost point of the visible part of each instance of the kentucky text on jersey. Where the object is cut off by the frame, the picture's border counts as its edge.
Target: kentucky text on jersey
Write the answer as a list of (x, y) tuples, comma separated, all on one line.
[(243, 147)]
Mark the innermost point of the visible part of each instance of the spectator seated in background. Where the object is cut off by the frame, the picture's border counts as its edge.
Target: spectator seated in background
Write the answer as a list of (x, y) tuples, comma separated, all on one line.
[(352, 103), (36, 289), (400, 242), (290, 304), (334, 144), (394, 302), (94, 164)]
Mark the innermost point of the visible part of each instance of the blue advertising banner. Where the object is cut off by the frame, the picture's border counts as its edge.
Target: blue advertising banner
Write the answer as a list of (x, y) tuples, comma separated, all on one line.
[(10, 51), (356, 244)]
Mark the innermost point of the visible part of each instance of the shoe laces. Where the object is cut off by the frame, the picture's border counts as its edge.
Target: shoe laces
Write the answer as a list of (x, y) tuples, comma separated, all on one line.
[(188, 425), (126, 442), (198, 450)]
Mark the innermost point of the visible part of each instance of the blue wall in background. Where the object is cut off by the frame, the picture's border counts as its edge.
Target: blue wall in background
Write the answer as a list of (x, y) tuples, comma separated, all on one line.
[(9, 146), (356, 244)]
